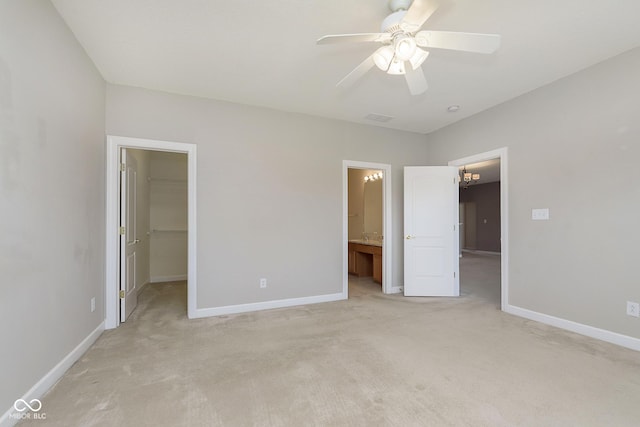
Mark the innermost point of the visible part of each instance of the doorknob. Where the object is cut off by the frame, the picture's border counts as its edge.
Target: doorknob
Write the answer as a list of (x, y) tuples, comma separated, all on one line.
[(136, 241), (408, 237)]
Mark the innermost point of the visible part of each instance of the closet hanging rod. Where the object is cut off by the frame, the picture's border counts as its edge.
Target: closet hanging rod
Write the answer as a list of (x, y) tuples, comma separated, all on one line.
[(168, 230), (150, 179)]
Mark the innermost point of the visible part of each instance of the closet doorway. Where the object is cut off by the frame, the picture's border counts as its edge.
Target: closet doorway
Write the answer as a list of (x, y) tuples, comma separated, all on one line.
[(153, 205), (165, 228)]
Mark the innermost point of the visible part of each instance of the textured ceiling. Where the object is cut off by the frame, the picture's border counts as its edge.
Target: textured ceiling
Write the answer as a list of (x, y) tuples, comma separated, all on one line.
[(264, 53)]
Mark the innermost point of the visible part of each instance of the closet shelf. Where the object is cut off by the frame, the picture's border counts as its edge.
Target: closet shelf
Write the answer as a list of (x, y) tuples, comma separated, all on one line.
[(169, 230)]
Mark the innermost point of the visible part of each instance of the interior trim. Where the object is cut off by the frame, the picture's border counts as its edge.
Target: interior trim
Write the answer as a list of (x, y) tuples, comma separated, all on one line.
[(579, 328), (265, 305)]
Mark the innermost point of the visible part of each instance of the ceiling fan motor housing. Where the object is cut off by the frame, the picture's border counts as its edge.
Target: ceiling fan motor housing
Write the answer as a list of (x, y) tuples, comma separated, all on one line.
[(396, 5), (391, 23)]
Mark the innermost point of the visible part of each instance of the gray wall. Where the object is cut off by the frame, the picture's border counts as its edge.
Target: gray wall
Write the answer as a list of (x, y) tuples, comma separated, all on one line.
[(51, 194), (573, 148), (487, 222), (269, 196)]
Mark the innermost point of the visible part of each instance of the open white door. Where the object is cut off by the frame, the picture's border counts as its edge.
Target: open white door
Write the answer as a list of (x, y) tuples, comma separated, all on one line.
[(431, 263), (128, 239)]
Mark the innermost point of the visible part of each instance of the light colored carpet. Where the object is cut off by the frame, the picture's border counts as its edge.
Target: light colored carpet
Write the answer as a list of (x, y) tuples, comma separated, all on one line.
[(374, 360)]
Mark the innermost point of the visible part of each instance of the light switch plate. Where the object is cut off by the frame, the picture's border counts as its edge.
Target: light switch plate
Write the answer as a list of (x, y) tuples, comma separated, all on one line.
[(540, 214)]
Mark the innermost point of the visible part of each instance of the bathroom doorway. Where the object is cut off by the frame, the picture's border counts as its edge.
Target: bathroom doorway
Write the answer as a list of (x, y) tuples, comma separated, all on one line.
[(367, 239)]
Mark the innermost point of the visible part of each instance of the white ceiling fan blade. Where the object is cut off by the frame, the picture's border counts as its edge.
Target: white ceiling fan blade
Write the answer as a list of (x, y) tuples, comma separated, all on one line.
[(416, 80), (358, 72), (354, 38), (418, 13), (467, 42)]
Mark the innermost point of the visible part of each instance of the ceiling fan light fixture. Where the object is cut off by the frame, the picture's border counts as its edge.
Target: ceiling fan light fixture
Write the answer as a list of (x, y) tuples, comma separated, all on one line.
[(418, 58), (383, 57), (401, 40), (396, 67), (405, 47)]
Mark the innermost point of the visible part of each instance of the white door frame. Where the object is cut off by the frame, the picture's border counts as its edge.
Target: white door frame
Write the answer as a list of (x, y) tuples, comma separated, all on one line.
[(112, 206), (500, 153), (387, 232)]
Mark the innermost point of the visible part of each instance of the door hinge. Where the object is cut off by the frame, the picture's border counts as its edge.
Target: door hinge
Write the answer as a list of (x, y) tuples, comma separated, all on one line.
[(122, 231), (454, 276), (123, 167), (122, 294)]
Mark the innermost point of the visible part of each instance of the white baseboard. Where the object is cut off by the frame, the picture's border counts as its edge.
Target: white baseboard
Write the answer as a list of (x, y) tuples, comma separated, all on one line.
[(477, 251), (266, 305), (159, 279), (590, 331), (41, 387), (396, 290), (140, 289)]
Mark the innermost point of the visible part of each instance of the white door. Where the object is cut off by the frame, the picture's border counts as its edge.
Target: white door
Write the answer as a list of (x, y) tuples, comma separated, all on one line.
[(431, 260), (128, 235)]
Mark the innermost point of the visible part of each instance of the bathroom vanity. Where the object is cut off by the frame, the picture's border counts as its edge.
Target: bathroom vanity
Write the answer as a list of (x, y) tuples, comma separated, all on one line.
[(365, 259)]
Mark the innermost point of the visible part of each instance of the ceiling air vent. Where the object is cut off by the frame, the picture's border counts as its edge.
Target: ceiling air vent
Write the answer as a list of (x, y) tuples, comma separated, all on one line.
[(377, 117)]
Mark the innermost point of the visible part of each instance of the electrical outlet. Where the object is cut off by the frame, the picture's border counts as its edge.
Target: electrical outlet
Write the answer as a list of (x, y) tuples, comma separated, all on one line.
[(540, 214), (263, 283), (93, 304), (633, 309)]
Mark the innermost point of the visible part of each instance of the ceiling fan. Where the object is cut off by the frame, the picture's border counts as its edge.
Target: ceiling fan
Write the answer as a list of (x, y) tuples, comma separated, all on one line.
[(402, 40)]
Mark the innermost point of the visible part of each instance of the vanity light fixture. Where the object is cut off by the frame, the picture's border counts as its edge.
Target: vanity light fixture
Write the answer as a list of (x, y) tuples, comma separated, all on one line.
[(373, 177)]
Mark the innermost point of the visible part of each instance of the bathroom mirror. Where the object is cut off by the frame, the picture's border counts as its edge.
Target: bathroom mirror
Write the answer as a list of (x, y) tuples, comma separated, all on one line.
[(372, 209)]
